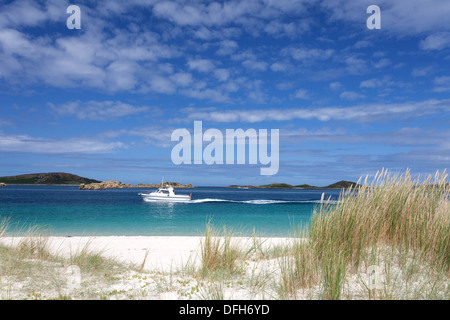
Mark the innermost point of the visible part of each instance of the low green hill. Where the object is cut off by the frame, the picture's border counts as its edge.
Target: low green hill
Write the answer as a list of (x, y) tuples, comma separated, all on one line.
[(47, 178), (306, 186), (341, 185), (277, 185), (337, 185)]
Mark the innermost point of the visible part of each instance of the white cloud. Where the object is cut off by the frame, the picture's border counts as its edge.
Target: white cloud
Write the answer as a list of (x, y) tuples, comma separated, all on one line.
[(28, 144), (183, 79), (210, 33), (381, 63), (97, 110), (162, 139), (4, 123), (201, 65), (335, 85), (442, 84), (377, 82), (284, 85), (307, 55), (134, 57), (91, 59), (436, 41), (351, 95), (421, 71), (227, 47), (302, 94), (255, 65), (218, 14), (363, 44), (291, 29), (279, 66), (404, 136), (398, 17), (122, 75), (207, 94), (362, 112), (31, 13), (162, 84), (355, 65), (222, 74)]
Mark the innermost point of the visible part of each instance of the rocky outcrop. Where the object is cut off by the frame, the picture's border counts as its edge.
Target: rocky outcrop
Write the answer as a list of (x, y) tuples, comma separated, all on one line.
[(179, 185), (2, 184), (119, 185), (104, 185)]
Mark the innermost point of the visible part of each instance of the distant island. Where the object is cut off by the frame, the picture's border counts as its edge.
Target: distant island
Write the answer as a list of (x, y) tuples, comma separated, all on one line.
[(338, 185), (62, 178), (50, 178)]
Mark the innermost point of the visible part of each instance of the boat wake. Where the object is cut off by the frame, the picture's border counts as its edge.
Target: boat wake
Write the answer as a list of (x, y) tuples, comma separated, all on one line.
[(258, 201)]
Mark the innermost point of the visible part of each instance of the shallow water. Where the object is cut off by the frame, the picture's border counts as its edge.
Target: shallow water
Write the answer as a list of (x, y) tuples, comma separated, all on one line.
[(67, 211)]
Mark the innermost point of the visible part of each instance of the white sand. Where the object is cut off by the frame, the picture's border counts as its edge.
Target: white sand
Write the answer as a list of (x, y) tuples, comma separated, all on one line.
[(260, 280), (166, 256), (165, 253)]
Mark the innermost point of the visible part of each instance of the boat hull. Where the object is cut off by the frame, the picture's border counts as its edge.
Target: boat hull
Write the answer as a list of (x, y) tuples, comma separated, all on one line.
[(159, 198)]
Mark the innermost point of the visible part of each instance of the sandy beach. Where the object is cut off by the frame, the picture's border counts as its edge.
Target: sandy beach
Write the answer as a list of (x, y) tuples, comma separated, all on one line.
[(164, 253), (163, 262)]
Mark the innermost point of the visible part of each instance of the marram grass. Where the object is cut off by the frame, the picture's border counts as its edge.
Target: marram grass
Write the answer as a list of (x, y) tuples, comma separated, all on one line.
[(396, 223), (392, 211), (411, 217), (219, 252)]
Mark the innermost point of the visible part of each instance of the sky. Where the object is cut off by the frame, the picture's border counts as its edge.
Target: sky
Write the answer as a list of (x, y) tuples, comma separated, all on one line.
[(102, 101)]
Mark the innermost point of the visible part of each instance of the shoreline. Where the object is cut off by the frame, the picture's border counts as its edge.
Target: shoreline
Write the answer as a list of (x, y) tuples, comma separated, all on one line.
[(161, 253)]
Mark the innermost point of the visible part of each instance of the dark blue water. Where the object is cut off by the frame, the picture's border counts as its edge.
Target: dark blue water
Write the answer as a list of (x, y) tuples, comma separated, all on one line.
[(65, 210)]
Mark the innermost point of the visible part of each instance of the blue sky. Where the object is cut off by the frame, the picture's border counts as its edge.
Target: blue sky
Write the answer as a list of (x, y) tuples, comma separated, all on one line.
[(102, 101)]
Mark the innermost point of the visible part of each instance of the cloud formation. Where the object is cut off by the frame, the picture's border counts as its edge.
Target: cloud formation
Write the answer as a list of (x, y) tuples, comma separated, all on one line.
[(29, 144), (296, 65), (98, 110), (358, 113)]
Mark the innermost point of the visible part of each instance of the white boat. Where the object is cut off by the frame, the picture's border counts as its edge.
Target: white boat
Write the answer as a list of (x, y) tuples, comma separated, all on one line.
[(164, 194)]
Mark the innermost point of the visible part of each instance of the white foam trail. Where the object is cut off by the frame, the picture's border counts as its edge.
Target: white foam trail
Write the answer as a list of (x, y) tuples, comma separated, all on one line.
[(266, 201), (256, 201), (209, 200), (259, 201)]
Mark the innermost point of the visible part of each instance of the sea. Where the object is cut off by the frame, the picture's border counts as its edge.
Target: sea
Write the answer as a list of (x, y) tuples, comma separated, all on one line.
[(68, 211)]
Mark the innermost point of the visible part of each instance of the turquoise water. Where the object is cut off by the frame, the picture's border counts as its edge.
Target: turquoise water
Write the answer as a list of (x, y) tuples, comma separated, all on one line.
[(67, 211)]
